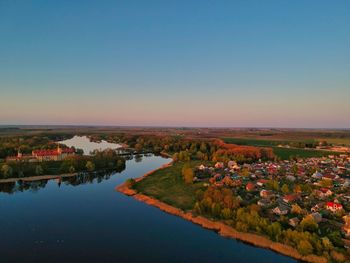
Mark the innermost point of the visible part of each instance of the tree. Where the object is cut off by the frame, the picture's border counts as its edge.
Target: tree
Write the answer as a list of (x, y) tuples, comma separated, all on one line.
[(38, 170), (336, 238), (297, 189), (226, 213), (296, 209), (285, 189), (188, 175), (326, 183), (245, 172), (308, 224), (304, 247), (273, 185), (197, 208), (327, 244), (6, 170), (274, 231), (216, 209), (175, 157), (130, 182), (71, 169), (90, 166)]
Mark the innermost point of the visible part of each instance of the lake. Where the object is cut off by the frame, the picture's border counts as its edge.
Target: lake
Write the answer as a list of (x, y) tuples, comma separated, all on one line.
[(84, 143), (86, 220)]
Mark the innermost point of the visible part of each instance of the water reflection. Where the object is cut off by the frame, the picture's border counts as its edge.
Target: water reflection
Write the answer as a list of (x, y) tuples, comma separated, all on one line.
[(79, 179)]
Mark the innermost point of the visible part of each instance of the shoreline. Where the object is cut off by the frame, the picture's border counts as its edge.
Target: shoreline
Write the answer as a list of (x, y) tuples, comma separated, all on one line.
[(58, 176), (218, 226), (36, 178)]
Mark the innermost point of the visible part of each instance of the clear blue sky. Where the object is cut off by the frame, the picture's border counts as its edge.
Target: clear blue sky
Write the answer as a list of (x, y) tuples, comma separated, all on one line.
[(189, 63)]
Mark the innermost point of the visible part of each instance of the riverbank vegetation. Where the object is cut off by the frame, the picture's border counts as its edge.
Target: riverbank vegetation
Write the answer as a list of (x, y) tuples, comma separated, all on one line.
[(107, 160), (221, 204)]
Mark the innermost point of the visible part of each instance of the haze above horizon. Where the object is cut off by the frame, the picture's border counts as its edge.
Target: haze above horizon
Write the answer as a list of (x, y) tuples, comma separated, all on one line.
[(182, 63)]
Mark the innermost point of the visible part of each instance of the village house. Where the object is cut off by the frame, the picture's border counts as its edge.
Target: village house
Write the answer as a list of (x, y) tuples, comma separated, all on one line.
[(44, 155), (346, 226), (317, 217), (219, 165), (291, 198), (317, 207), (329, 177), (233, 165), (293, 221), (326, 192), (202, 167), (266, 193), (250, 186), (334, 207), (261, 182), (264, 202), (281, 210)]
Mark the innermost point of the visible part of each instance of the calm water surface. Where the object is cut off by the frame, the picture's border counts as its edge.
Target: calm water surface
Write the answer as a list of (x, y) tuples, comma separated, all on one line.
[(91, 222), (84, 143)]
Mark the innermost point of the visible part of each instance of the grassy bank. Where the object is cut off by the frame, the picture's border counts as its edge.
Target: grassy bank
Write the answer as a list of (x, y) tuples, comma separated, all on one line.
[(168, 186), (165, 189)]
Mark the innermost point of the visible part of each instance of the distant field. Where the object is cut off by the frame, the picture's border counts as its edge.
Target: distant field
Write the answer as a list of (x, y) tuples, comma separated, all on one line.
[(286, 153), (168, 186), (338, 141), (283, 153), (263, 142)]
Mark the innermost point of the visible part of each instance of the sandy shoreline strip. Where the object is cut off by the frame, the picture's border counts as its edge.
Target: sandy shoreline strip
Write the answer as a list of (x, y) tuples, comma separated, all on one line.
[(218, 226)]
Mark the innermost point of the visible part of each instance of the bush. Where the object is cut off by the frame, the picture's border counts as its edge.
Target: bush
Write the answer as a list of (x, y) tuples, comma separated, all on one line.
[(130, 182)]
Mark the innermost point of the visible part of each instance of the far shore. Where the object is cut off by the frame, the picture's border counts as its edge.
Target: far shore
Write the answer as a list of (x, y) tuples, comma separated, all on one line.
[(51, 177), (218, 226)]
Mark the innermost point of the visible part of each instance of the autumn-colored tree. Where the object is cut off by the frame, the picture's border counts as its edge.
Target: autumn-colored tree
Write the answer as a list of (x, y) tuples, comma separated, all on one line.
[(245, 172), (90, 166), (304, 247), (297, 189), (285, 189), (326, 183), (274, 231), (188, 175), (308, 224), (226, 213), (6, 170), (296, 209)]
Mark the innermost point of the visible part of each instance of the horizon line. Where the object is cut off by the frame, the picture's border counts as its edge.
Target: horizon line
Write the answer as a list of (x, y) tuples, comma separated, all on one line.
[(167, 126)]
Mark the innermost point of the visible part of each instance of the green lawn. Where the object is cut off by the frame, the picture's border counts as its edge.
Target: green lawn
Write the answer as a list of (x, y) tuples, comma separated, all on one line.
[(168, 186)]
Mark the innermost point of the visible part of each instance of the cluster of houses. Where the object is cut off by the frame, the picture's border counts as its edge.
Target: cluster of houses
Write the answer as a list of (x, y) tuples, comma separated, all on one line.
[(319, 187)]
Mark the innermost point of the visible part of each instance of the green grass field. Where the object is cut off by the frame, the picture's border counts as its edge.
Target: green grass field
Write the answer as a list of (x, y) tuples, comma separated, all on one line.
[(168, 186), (286, 153), (283, 153), (263, 143), (337, 141)]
